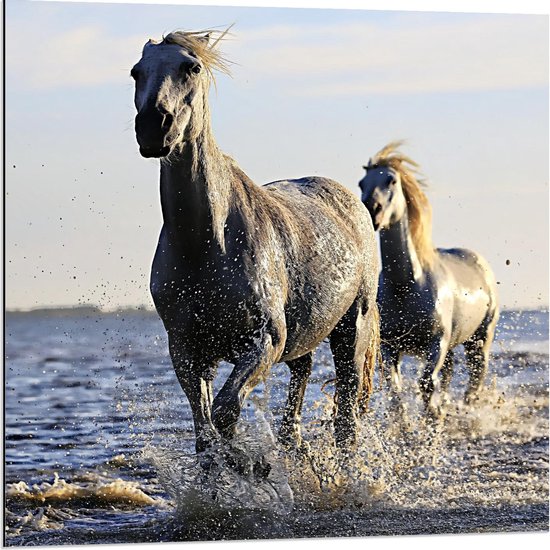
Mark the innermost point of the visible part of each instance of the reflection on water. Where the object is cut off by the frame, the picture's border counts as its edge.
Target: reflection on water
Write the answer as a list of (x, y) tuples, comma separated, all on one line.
[(99, 445)]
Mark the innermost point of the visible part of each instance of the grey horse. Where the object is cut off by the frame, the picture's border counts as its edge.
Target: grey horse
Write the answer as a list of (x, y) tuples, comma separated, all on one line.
[(430, 300), (247, 274)]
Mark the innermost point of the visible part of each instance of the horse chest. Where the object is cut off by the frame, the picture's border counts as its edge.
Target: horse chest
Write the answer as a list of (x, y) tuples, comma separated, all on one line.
[(206, 299), (214, 309), (407, 318)]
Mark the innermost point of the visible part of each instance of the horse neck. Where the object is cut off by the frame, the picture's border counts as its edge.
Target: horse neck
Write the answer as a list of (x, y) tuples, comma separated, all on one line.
[(195, 189), (400, 262)]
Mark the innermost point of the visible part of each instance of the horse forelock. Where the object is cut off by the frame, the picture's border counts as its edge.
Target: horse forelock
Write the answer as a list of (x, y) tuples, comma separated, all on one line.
[(204, 46), (419, 210)]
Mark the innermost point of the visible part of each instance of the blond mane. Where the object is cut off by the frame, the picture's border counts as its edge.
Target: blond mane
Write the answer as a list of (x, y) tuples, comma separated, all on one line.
[(203, 45), (418, 206)]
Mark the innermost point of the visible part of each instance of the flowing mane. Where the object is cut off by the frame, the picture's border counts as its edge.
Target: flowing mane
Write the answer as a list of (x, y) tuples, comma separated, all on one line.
[(418, 207)]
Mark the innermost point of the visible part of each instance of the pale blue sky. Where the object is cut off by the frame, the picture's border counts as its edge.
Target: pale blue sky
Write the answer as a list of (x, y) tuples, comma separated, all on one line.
[(313, 92)]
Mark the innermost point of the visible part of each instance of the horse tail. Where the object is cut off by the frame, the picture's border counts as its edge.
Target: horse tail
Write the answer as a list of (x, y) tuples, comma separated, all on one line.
[(372, 355)]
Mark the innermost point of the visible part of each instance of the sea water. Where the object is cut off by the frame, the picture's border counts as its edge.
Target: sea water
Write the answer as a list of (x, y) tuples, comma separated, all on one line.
[(100, 444)]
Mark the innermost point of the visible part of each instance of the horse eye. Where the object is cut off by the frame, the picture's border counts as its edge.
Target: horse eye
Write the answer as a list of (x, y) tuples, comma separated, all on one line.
[(189, 67)]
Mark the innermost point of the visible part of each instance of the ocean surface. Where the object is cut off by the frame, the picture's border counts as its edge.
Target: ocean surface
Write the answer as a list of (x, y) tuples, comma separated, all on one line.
[(99, 445)]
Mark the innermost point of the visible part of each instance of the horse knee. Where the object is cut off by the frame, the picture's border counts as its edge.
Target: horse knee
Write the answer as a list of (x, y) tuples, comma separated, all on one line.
[(225, 414)]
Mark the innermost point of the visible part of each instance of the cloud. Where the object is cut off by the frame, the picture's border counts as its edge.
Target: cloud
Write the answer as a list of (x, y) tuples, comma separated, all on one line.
[(404, 54), (84, 56), (504, 53)]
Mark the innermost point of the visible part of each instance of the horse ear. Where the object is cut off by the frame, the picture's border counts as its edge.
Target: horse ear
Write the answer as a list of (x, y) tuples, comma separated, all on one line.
[(205, 38)]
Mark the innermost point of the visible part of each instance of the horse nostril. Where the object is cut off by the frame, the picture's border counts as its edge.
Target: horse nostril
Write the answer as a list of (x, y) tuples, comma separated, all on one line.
[(167, 121)]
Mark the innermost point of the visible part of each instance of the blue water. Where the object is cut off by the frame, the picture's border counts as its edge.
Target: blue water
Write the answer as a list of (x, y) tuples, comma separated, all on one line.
[(87, 392)]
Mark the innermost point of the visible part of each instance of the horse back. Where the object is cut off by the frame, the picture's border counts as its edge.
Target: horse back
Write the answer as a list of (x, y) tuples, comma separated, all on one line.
[(330, 254), (321, 213), (475, 294)]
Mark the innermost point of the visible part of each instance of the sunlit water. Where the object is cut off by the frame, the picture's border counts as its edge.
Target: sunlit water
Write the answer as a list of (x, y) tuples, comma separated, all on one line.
[(99, 445)]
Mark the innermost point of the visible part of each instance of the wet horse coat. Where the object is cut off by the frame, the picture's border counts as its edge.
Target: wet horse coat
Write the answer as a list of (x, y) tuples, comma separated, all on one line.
[(246, 274), (430, 300)]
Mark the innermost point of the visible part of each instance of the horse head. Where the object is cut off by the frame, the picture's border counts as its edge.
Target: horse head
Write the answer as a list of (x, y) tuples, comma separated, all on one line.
[(391, 191), (382, 194), (172, 79)]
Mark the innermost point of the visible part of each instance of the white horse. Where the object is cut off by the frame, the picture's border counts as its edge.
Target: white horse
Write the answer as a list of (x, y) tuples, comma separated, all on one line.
[(430, 300), (246, 274)]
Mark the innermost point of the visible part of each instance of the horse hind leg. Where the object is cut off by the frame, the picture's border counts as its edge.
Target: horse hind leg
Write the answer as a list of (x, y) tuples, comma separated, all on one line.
[(354, 344), (477, 350), (289, 432), (447, 372), (446, 376)]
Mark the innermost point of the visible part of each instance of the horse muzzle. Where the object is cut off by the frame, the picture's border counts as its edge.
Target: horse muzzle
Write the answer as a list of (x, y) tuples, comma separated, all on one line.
[(154, 152), (376, 216), (152, 127)]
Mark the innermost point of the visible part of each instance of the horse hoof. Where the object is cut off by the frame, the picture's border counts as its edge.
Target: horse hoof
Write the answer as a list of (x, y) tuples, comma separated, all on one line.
[(261, 469), (296, 446), (206, 461), (239, 462), (304, 449), (471, 399), (245, 467), (434, 415)]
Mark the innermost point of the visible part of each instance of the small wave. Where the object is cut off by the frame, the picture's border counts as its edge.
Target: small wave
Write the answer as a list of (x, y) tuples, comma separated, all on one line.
[(40, 519), (98, 493)]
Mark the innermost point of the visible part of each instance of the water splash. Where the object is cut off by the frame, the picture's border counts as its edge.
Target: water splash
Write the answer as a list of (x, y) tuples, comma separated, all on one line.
[(197, 492)]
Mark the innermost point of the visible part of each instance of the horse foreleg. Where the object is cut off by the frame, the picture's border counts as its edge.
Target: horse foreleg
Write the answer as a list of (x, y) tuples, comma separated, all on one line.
[(392, 374), (300, 370), (435, 360), (196, 381), (248, 371)]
